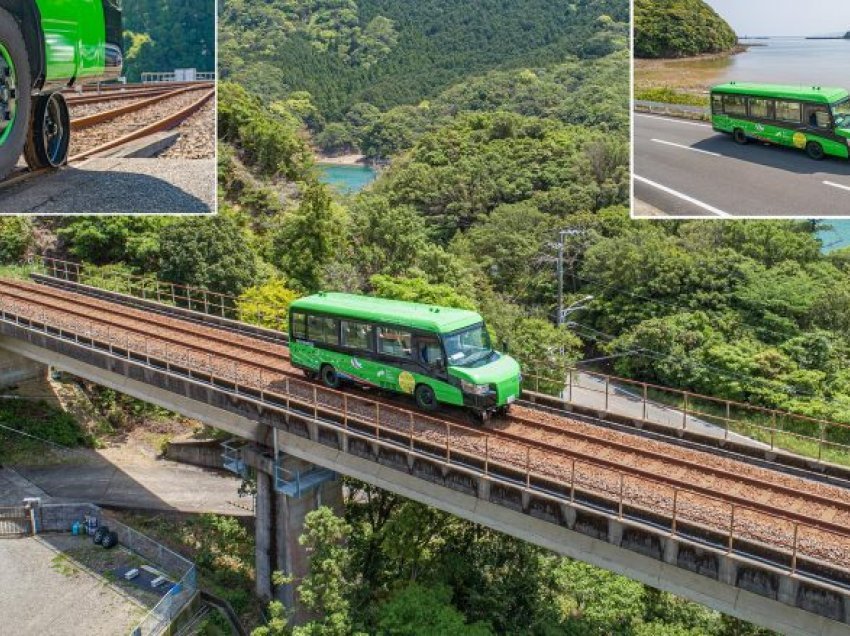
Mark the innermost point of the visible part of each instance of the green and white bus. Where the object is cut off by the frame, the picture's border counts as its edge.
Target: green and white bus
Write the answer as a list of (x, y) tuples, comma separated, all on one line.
[(46, 46), (438, 355), (815, 119)]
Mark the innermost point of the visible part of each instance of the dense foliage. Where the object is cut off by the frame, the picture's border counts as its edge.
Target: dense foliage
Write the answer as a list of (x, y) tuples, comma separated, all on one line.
[(392, 52), (679, 28), (163, 35)]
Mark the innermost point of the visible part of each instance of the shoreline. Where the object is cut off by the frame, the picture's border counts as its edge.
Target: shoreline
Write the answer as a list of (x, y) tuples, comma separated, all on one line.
[(694, 74), (342, 160)]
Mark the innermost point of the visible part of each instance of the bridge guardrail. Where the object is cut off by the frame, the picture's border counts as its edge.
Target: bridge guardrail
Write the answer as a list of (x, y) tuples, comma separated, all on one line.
[(702, 113), (692, 514)]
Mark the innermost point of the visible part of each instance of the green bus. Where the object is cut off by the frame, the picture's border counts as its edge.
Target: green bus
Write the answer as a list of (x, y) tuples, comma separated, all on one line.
[(46, 46), (815, 119), (438, 355)]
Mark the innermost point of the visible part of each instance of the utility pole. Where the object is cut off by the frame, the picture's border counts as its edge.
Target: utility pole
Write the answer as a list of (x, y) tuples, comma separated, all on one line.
[(561, 235)]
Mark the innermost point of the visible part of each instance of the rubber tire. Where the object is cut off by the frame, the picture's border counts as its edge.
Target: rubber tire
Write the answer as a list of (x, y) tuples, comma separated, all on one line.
[(330, 378), (110, 540), (815, 151), (425, 397), (34, 151), (99, 535), (13, 40), (740, 137)]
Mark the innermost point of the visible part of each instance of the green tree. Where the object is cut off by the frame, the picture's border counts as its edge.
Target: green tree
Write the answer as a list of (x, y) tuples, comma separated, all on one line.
[(17, 238), (267, 304), (310, 238), (416, 610)]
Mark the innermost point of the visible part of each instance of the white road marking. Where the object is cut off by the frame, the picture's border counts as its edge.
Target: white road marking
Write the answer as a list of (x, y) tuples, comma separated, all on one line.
[(670, 143), (837, 185), (684, 197), (674, 121)]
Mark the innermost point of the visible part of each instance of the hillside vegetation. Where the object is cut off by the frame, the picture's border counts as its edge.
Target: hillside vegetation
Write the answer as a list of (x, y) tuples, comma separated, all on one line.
[(392, 52), (680, 28)]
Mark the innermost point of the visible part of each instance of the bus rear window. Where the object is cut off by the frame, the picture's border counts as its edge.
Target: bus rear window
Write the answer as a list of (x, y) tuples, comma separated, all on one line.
[(791, 112), (299, 325), (717, 104)]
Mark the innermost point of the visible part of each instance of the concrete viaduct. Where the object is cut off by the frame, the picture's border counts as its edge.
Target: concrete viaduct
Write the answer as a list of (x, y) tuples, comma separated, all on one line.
[(296, 442)]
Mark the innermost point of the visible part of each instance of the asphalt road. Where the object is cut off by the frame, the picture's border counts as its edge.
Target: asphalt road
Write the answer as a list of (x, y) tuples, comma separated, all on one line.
[(685, 169)]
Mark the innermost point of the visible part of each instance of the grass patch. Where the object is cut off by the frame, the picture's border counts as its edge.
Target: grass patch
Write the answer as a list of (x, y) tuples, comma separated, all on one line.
[(41, 421), (63, 565), (668, 95)]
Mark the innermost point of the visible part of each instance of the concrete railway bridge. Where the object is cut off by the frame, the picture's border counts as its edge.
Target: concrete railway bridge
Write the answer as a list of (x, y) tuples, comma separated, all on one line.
[(768, 545)]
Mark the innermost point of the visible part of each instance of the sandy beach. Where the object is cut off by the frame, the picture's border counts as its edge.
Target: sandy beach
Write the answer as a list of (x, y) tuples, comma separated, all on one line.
[(341, 160)]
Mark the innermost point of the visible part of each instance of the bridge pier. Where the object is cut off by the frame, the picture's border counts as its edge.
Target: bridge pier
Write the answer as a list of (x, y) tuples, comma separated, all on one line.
[(287, 490)]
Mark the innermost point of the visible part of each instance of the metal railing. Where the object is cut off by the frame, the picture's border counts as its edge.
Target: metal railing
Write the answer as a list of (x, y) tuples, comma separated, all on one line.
[(554, 474), (15, 521), (818, 439), (685, 111)]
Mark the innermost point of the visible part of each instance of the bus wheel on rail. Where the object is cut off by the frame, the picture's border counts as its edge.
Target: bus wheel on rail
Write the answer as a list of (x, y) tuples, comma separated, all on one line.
[(815, 150), (50, 134), (740, 136), (425, 398), (330, 377), (15, 82)]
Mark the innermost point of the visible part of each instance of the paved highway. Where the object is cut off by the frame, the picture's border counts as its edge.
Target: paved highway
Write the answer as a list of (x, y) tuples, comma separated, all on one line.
[(685, 169)]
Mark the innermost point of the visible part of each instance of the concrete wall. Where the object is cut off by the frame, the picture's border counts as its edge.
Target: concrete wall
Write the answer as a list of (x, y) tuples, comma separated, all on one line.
[(15, 369), (206, 453)]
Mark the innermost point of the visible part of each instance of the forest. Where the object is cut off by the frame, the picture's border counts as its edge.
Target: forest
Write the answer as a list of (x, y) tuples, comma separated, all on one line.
[(680, 28), (162, 35), (497, 129)]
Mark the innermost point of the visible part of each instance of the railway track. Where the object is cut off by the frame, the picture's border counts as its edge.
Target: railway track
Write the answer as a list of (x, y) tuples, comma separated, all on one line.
[(103, 130), (558, 449)]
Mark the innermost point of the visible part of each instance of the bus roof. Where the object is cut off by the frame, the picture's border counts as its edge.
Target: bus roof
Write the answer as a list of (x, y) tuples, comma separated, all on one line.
[(394, 312), (818, 94)]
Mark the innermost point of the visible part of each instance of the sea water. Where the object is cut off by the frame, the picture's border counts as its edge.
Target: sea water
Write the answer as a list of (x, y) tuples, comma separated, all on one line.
[(347, 179)]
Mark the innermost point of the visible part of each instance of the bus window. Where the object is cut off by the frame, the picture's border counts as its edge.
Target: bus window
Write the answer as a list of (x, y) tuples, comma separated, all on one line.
[(735, 105), (762, 108), (299, 325), (791, 112), (429, 351), (717, 104), (392, 342), (818, 117), (356, 335), (321, 329)]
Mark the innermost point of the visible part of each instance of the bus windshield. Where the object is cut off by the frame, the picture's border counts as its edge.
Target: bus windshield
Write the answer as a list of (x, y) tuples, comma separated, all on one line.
[(841, 112), (468, 346)]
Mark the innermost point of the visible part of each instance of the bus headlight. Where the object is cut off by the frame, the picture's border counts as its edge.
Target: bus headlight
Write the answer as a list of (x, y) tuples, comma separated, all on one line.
[(475, 389)]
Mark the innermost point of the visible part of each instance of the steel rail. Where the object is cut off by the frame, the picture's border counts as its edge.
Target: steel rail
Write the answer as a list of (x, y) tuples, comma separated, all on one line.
[(515, 438), (561, 431), (261, 398)]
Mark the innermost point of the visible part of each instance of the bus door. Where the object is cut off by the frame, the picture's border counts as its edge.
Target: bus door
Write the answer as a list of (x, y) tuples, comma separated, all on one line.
[(429, 355), (817, 119)]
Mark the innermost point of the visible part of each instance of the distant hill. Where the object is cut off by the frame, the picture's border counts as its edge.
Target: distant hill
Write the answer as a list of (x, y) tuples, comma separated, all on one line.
[(394, 52), (680, 28)]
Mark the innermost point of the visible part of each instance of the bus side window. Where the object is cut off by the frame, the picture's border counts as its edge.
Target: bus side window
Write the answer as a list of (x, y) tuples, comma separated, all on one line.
[(717, 104), (762, 108), (818, 117), (321, 329), (430, 352), (790, 112), (299, 325), (392, 342), (735, 105), (356, 335)]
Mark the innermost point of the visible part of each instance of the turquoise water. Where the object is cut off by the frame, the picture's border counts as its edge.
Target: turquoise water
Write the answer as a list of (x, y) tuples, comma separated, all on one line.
[(836, 238), (347, 179)]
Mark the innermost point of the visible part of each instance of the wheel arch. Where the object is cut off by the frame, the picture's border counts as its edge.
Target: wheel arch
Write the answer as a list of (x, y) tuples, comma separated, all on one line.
[(29, 19)]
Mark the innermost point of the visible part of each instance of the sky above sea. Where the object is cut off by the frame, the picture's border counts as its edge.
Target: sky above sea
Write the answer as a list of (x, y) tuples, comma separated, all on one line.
[(757, 18)]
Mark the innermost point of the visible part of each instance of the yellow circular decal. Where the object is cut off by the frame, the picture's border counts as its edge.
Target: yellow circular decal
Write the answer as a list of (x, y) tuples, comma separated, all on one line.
[(800, 140), (406, 381)]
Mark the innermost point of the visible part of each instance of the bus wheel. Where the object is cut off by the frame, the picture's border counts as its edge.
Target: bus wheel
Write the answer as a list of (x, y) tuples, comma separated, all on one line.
[(330, 377), (425, 398), (15, 82), (815, 150), (50, 135), (740, 137)]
